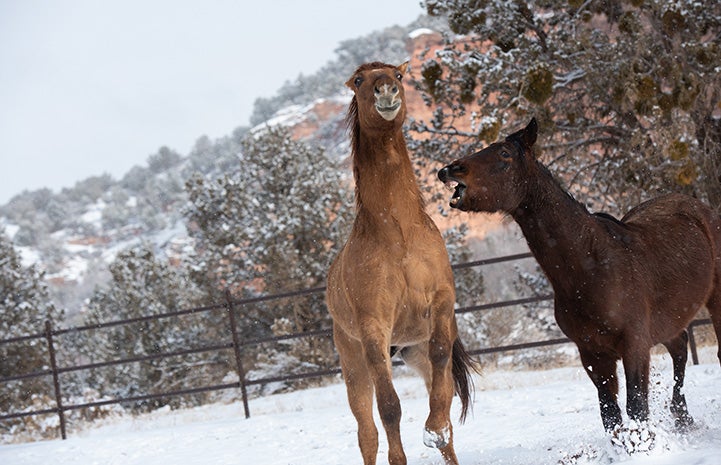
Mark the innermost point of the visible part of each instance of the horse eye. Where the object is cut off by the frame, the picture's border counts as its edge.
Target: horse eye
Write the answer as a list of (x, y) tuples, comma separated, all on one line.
[(399, 76), (505, 155), (358, 81)]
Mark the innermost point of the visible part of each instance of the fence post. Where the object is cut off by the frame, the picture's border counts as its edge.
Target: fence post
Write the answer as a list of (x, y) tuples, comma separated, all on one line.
[(236, 350), (56, 379), (692, 343)]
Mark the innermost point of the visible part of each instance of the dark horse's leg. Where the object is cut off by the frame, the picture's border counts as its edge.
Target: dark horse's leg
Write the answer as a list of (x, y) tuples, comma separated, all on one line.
[(601, 368), (714, 307), (678, 348), (636, 365)]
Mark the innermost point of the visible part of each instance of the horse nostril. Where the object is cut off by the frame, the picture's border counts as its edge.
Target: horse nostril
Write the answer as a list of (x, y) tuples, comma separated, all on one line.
[(443, 174), (451, 170), (385, 90)]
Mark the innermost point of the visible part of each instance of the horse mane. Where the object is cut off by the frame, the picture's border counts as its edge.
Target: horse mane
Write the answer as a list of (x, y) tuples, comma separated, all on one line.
[(609, 217), (546, 176), (597, 215), (353, 125)]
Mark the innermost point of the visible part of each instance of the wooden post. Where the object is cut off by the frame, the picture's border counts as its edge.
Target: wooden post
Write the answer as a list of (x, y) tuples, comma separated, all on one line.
[(236, 349), (56, 380)]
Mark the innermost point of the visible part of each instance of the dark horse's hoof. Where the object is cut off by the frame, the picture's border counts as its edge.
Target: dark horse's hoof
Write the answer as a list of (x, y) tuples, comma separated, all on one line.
[(633, 437), (684, 422)]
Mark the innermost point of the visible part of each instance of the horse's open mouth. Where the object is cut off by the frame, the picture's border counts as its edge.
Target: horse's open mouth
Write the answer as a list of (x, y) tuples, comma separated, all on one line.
[(458, 189)]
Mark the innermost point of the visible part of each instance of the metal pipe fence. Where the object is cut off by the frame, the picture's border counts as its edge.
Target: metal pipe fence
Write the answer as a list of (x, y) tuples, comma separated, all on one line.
[(235, 344)]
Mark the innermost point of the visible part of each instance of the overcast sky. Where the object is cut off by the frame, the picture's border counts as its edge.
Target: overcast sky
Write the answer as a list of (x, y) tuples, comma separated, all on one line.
[(96, 86)]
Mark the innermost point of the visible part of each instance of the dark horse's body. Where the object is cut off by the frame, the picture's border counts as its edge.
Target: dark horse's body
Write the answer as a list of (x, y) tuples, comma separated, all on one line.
[(621, 286)]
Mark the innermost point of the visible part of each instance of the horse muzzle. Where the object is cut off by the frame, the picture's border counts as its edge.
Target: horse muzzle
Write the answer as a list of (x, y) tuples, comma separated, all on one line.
[(388, 100), (388, 110)]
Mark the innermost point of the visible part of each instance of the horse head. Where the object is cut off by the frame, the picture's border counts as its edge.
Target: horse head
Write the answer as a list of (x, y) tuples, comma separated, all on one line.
[(379, 100), (493, 179)]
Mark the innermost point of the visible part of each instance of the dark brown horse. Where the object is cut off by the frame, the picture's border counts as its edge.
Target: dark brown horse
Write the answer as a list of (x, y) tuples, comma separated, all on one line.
[(620, 286), (391, 287)]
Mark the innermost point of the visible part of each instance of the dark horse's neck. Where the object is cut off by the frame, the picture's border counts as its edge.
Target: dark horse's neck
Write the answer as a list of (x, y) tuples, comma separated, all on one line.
[(386, 188), (557, 228)]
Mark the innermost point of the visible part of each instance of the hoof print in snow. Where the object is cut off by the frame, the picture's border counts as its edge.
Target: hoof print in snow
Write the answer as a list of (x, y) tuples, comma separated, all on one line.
[(587, 455)]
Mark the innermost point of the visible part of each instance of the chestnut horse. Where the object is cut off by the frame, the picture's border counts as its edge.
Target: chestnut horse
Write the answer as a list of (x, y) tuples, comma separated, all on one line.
[(621, 286), (391, 289)]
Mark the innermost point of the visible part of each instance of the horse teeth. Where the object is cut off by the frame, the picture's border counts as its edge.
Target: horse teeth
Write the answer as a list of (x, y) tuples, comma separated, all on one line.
[(451, 185)]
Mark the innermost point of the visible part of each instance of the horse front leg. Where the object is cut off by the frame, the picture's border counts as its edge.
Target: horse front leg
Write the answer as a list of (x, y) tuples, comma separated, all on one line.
[(359, 387), (636, 363), (376, 351), (678, 348), (601, 368)]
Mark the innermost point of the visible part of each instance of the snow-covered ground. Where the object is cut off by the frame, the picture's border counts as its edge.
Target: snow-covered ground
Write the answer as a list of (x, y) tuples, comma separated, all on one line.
[(519, 417)]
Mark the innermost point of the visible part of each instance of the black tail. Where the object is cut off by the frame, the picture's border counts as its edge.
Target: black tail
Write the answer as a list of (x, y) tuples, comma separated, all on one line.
[(463, 366)]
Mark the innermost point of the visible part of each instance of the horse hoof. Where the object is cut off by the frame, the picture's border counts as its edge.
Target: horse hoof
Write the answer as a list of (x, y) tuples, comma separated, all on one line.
[(684, 423), (437, 439), (634, 437)]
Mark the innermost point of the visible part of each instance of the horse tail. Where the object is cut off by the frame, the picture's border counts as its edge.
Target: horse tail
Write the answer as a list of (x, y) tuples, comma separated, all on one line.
[(463, 366)]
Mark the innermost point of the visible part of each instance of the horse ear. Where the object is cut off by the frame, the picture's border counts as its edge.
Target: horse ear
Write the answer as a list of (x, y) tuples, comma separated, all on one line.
[(526, 136), (404, 68), (529, 133)]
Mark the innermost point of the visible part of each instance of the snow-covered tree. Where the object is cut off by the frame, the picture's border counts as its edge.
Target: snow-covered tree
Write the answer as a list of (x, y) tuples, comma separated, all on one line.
[(627, 92), (143, 284), (25, 305), (272, 224)]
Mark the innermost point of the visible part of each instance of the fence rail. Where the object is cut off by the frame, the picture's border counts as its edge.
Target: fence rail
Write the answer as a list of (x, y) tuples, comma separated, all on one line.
[(235, 344)]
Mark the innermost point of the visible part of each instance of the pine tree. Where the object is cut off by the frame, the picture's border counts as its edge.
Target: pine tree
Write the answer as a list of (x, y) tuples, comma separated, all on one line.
[(24, 307), (142, 285), (271, 225)]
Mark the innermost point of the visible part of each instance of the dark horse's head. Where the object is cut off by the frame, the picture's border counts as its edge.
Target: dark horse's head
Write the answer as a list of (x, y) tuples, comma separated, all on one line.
[(493, 179), (379, 101)]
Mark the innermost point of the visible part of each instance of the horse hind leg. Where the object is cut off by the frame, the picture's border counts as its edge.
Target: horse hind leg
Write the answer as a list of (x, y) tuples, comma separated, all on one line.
[(359, 387), (678, 349), (418, 358), (714, 305), (438, 430)]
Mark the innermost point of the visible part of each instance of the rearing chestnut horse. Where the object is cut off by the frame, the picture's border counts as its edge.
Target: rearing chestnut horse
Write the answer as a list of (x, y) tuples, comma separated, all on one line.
[(391, 286), (620, 286)]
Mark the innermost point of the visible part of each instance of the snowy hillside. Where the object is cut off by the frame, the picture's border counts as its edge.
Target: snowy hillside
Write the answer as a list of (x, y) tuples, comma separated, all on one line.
[(534, 418)]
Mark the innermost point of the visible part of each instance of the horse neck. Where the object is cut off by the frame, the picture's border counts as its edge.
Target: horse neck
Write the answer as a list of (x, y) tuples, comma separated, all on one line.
[(386, 186), (559, 230)]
